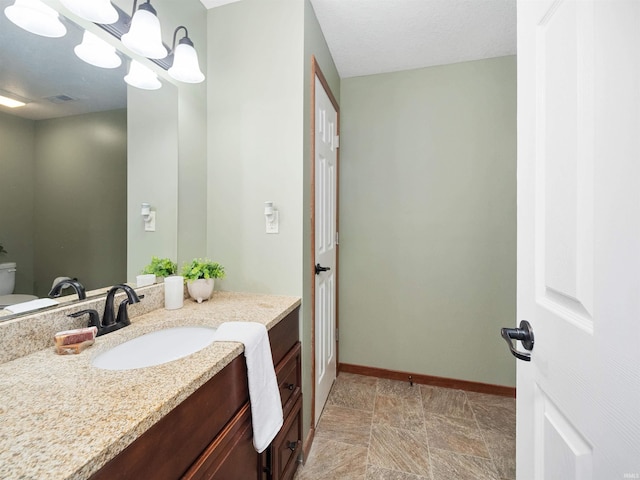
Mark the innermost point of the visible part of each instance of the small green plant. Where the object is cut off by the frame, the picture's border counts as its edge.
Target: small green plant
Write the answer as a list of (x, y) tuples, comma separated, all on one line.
[(2, 250), (161, 267), (199, 268)]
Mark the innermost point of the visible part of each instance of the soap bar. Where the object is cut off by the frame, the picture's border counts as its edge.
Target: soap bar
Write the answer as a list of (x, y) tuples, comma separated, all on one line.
[(74, 348), (71, 337)]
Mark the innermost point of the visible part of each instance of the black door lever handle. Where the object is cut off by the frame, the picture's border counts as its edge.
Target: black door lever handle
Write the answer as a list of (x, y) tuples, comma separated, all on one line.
[(524, 334), (320, 268)]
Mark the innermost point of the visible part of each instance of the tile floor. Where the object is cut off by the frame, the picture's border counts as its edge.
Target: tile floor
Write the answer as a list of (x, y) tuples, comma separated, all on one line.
[(375, 429)]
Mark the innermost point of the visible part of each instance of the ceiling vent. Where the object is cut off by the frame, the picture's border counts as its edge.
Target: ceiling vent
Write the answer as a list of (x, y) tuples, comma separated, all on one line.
[(62, 98)]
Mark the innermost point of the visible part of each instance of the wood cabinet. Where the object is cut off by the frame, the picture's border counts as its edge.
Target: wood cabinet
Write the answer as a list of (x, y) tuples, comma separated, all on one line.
[(209, 435)]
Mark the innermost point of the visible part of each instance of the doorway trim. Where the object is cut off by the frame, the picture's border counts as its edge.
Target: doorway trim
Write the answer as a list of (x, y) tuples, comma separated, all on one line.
[(317, 72)]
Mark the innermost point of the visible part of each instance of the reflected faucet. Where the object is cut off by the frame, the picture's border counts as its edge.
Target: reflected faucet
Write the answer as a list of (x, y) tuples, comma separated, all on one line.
[(56, 291)]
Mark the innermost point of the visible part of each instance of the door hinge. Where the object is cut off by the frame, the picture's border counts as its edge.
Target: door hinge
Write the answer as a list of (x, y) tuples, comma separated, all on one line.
[(337, 141), (337, 239)]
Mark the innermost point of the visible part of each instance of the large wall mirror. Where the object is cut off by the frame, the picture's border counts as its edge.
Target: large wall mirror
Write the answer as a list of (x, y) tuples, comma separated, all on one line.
[(76, 162)]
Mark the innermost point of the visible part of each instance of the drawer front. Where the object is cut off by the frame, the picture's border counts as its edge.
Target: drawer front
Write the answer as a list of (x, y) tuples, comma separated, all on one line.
[(230, 456), (284, 336), (287, 445), (289, 378)]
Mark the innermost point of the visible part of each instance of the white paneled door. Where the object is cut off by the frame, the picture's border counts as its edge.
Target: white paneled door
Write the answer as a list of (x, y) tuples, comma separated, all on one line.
[(578, 398), (326, 174)]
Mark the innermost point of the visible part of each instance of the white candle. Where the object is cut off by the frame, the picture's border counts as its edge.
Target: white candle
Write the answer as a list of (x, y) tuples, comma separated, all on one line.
[(173, 292)]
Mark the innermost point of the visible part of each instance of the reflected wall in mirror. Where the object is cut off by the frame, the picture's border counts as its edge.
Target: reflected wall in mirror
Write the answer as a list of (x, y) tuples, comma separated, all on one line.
[(66, 161), (63, 162)]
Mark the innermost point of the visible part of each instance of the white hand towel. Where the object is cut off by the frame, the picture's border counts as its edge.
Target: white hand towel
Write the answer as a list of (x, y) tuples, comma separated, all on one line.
[(266, 406), (31, 305)]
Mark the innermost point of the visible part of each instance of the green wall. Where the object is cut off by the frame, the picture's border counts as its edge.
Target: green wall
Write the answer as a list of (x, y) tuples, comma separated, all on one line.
[(80, 201), (171, 169), (63, 189), (428, 220), (255, 132), (17, 154), (259, 76)]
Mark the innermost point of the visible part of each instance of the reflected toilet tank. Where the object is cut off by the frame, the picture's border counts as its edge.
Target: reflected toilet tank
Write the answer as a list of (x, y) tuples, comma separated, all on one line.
[(7, 284), (7, 278)]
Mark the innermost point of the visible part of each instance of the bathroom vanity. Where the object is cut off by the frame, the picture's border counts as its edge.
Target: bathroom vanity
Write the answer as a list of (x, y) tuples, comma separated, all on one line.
[(190, 418), (209, 435)]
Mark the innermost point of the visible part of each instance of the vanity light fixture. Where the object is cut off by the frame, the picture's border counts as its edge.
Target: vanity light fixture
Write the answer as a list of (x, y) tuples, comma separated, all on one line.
[(36, 17), (144, 37), (96, 51), (142, 77), (185, 66), (96, 11)]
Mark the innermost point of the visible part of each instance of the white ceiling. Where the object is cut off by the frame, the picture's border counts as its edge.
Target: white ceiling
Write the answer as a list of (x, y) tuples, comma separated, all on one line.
[(376, 36)]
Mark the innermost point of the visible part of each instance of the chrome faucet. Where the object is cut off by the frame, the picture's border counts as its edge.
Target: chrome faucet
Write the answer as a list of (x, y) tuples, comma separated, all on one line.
[(109, 323), (56, 291)]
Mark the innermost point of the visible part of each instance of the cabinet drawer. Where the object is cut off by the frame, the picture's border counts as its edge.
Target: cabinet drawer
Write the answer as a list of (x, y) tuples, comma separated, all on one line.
[(284, 336), (287, 445), (289, 378), (229, 456)]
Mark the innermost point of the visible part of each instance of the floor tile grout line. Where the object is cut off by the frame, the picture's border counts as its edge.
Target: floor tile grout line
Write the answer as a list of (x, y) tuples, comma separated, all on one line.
[(426, 434), (484, 440)]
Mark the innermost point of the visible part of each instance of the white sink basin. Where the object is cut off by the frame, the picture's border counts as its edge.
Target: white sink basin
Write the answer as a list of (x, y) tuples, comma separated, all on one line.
[(155, 348)]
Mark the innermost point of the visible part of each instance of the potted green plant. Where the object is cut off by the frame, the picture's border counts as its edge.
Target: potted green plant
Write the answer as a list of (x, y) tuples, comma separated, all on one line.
[(161, 268), (200, 276)]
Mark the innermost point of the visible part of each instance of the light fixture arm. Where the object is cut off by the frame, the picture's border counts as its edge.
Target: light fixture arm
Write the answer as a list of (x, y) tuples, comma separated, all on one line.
[(145, 6), (135, 4), (184, 39)]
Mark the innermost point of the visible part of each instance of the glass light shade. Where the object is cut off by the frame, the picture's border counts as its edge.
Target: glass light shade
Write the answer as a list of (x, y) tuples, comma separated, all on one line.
[(96, 51), (36, 17), (144, 37), (97, 11), (142, 77), (185, 66)]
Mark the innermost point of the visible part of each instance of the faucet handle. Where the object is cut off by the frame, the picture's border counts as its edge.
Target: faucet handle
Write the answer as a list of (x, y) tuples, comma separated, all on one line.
[(123, 313), (94, 318)]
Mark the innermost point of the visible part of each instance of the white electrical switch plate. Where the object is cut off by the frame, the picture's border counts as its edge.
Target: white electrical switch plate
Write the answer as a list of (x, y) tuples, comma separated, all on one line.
[(272, 226), (150, 226)]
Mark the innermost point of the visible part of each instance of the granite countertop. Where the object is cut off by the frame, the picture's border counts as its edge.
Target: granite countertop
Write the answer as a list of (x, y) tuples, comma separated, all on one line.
[(62, 418)]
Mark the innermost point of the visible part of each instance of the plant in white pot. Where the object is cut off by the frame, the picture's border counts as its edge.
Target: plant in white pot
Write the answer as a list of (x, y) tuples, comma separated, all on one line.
[(161, 268), (200, 276)]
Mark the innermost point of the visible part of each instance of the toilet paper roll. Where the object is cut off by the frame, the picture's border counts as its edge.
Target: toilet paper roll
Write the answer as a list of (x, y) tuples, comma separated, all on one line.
[(173, 292)]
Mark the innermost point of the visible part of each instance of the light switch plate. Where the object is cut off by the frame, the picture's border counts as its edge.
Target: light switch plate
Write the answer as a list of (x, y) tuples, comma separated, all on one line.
[(273, 226), (150, 226)]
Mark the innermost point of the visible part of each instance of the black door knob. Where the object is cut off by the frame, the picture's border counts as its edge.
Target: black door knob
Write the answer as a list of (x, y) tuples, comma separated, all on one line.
[(320, 268)]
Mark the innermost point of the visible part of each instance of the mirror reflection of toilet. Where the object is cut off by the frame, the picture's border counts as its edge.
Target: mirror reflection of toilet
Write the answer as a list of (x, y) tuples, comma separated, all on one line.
[(7, 284)]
